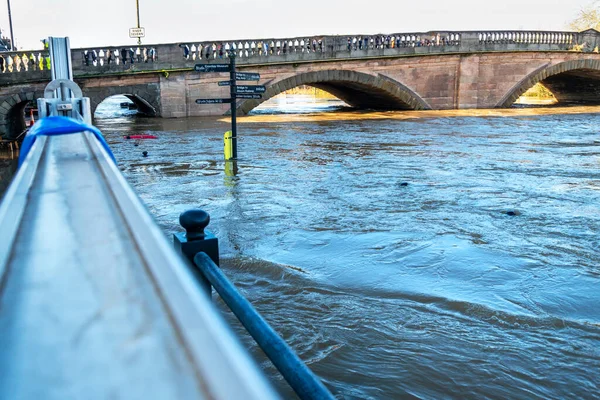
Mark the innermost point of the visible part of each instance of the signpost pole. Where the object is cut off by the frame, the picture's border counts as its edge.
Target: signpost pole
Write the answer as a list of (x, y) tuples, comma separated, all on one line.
[(235, 92), (233, 104)]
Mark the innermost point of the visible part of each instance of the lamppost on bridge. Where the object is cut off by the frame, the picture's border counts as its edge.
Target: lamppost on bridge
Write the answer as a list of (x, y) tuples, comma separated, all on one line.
[(12, 39)]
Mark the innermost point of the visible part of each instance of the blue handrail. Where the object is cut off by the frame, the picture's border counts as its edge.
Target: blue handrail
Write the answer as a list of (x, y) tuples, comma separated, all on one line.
[(58, 125), (296, 373)]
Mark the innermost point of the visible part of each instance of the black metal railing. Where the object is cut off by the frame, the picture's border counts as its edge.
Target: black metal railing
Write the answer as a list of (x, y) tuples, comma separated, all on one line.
[(201, 247), (296, 373)]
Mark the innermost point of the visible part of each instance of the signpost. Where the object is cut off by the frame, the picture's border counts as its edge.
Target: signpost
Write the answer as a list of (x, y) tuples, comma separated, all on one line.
[(212, 67), (235, 91), (212, 101), (247, 76), (250, 89), (248, 96)]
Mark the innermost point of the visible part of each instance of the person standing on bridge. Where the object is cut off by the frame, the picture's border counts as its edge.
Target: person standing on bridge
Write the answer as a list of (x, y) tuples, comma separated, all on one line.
[(1, 64), (123, 56)]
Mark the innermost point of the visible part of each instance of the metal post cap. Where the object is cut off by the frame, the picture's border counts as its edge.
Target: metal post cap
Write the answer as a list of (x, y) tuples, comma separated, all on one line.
[(194, 222)]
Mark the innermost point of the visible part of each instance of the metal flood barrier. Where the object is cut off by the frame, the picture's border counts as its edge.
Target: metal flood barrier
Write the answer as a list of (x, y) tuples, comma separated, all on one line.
[(94, 301)]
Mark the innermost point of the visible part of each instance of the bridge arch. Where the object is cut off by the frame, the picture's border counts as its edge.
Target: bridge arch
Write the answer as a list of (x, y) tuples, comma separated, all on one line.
[(143, 106), (575, 81), (145, 97), (12, 107), (354, 88)]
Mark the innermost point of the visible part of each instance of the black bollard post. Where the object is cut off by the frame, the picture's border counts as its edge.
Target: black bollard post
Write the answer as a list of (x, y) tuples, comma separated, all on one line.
[(196, 240)]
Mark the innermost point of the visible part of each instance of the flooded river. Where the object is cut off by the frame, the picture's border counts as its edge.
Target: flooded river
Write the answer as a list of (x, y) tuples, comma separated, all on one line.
[(452, 256)]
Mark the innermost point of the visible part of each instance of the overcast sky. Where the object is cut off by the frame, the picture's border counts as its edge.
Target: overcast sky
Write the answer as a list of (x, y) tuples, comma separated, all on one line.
[(103, 22)]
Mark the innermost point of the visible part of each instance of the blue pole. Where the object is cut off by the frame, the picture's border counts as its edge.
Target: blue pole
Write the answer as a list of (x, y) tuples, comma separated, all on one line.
[(296, 373)]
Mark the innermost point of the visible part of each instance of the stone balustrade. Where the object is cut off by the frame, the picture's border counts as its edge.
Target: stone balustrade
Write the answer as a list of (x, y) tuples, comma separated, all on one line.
[(33, 65), (528, 37)]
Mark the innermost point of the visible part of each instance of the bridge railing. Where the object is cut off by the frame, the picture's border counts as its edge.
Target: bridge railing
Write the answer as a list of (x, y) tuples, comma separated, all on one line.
[(99, 60), (24, 61), (527, 37)]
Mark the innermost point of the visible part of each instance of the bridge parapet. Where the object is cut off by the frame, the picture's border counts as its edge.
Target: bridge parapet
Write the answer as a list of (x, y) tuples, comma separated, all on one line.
[(33, 65), (527, 37)]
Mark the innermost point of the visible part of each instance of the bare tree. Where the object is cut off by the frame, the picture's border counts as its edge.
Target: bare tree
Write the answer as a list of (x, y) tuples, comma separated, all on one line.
[(588, 17)]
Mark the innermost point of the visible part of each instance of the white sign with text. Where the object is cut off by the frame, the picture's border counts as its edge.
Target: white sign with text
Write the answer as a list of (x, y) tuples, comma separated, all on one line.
[(137, 32)]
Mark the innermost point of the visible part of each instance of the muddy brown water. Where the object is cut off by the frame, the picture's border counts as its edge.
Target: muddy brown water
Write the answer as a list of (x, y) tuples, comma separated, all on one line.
[(426, 290)]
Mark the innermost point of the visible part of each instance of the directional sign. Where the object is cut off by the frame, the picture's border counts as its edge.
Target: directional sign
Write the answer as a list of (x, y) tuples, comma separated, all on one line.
[(212, 68), (247, 76), (250, 89), (212, 101), (137, 32), (248, 96), (225, 83)]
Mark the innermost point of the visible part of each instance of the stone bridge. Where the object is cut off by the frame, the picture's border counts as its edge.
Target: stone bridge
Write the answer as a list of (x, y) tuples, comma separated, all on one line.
[(433, 70)]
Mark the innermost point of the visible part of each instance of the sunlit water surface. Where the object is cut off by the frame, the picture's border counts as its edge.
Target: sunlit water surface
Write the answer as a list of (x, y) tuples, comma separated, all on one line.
[(428, 290)]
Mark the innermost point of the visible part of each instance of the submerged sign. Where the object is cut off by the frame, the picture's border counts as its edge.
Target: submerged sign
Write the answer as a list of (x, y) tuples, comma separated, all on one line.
[(235, 91)]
